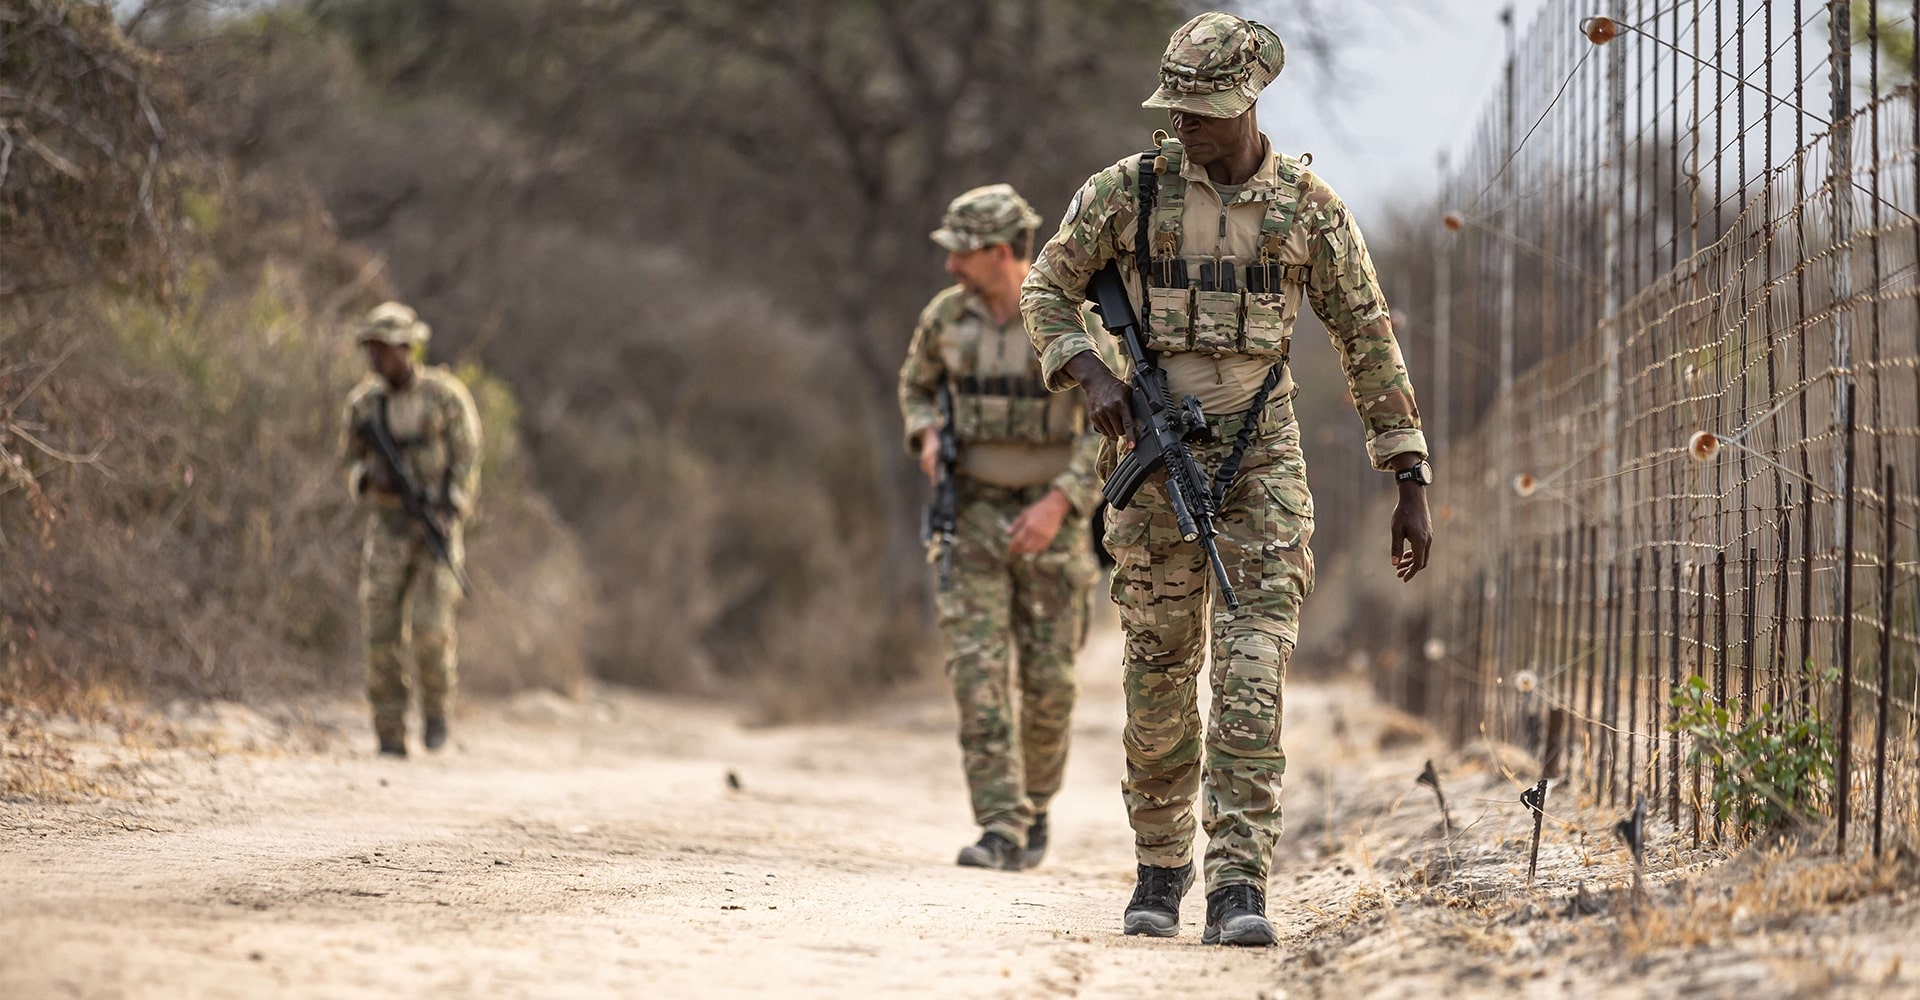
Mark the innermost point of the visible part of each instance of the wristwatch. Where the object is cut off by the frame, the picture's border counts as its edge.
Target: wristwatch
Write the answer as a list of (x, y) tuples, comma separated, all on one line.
[(1420, 472)]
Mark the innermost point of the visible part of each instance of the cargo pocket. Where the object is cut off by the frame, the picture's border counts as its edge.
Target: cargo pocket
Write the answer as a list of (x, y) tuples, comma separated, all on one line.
[(1126, 542), (1288, 564), (1126, 537)]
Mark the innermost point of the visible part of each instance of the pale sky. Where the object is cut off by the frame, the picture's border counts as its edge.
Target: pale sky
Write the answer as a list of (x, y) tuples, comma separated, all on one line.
[(1422, 72)]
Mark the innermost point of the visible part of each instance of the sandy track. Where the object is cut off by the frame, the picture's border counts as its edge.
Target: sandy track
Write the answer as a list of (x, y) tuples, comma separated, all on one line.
[(597, 850), (585, 851)]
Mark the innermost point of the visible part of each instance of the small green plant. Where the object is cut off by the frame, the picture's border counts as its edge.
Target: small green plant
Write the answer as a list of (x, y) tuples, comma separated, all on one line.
[(1768, 772)]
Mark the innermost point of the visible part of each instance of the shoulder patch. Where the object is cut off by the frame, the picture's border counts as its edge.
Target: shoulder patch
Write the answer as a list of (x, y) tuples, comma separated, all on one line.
[(1074, 206)]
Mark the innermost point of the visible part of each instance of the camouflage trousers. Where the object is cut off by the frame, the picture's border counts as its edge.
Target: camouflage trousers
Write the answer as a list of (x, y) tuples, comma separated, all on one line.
[(994, 604), (407, 599), (1164, 588)]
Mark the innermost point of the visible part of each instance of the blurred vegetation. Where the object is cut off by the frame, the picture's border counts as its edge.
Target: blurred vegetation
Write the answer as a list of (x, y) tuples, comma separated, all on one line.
[(692, 238), (174, 350), (675, 247)]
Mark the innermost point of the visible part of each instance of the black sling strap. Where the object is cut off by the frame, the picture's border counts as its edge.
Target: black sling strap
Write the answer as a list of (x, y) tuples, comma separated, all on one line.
[(1148, 193), (1224, 476)]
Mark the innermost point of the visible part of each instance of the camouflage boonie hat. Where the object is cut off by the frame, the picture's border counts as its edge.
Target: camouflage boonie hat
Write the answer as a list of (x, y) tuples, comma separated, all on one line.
[(394, 323), (1216, 65), (985, 216)]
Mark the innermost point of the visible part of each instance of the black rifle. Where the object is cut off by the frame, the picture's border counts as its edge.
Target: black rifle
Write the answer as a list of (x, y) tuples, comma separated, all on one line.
[(943, 511), (1161, 431), (374, 431)]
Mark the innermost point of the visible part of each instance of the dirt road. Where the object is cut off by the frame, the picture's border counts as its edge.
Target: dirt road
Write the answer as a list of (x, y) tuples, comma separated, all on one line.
[(599, 848)]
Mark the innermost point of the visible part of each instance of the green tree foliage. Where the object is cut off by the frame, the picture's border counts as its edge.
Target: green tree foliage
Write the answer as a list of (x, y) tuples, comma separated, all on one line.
[(1769, 771)]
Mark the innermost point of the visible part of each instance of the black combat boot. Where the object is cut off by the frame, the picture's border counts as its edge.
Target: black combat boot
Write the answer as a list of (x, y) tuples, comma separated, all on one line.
[(1036, 842), (1237, 914), (435, 735), (392, 746), (993, 851), (1155, 907)]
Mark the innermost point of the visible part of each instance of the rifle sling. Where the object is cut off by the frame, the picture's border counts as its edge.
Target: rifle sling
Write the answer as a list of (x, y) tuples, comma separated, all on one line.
[(400, 448), (1229, 470)]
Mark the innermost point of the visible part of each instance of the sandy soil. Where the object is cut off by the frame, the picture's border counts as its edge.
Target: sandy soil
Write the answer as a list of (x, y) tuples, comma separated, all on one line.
[(600, 848)]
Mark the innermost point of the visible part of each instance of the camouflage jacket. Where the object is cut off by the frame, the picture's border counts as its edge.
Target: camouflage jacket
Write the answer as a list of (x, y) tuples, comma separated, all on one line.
[(999, 398), (1284, 216), (435, 424)]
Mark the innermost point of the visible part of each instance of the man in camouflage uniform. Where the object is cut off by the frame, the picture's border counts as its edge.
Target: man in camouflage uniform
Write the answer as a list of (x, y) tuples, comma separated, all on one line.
[(407, 595), (1021, 565), (1237, 236)]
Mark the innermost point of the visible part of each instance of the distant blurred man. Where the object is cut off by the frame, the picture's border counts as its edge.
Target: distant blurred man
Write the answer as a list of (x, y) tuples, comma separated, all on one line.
[(1021, 563), (408, 595), (1219, 239)]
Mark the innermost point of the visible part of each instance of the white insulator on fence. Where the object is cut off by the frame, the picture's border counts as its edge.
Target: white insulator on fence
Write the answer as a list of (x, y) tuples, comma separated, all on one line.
[(1525, 681), (1436, 649), (1524, 484)]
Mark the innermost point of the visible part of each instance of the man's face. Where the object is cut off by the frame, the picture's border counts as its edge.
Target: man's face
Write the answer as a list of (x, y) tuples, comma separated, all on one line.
[(392, 362), (979, 271), (1209, 140)]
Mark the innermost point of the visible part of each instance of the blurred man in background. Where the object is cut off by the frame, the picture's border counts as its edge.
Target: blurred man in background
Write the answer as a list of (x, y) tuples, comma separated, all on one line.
[(411, 563), (1019, 567), (1219, 239)]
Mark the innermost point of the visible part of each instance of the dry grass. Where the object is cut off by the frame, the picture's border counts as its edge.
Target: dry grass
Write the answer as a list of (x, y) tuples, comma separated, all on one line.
[(1397, 902), (1767, 889)]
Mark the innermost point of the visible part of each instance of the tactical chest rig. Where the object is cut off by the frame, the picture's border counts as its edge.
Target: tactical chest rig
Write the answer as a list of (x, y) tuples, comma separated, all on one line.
[(1208, 304), (1005, 408), (423, 454), (1214, 305)]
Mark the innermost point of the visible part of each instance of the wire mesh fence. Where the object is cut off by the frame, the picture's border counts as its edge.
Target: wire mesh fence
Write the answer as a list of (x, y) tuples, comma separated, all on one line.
[(1674, 282)]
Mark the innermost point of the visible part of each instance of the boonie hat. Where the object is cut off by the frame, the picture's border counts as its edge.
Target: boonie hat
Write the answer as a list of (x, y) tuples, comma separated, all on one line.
[(984, 216), (394, 323), (1216, 65)]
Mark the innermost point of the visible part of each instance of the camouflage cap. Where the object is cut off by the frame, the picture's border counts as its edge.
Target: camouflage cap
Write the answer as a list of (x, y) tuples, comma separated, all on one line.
[(985, 216), (1216, 65), (394, 323)]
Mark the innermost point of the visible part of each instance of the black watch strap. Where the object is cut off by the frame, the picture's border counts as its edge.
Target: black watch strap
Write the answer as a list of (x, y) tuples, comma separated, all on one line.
[(1416, 473)]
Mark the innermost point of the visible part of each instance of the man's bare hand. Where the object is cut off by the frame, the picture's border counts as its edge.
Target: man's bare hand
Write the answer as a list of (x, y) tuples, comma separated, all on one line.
[(1109, 400), (1412, 531), (1036, 526), (930, 455)]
